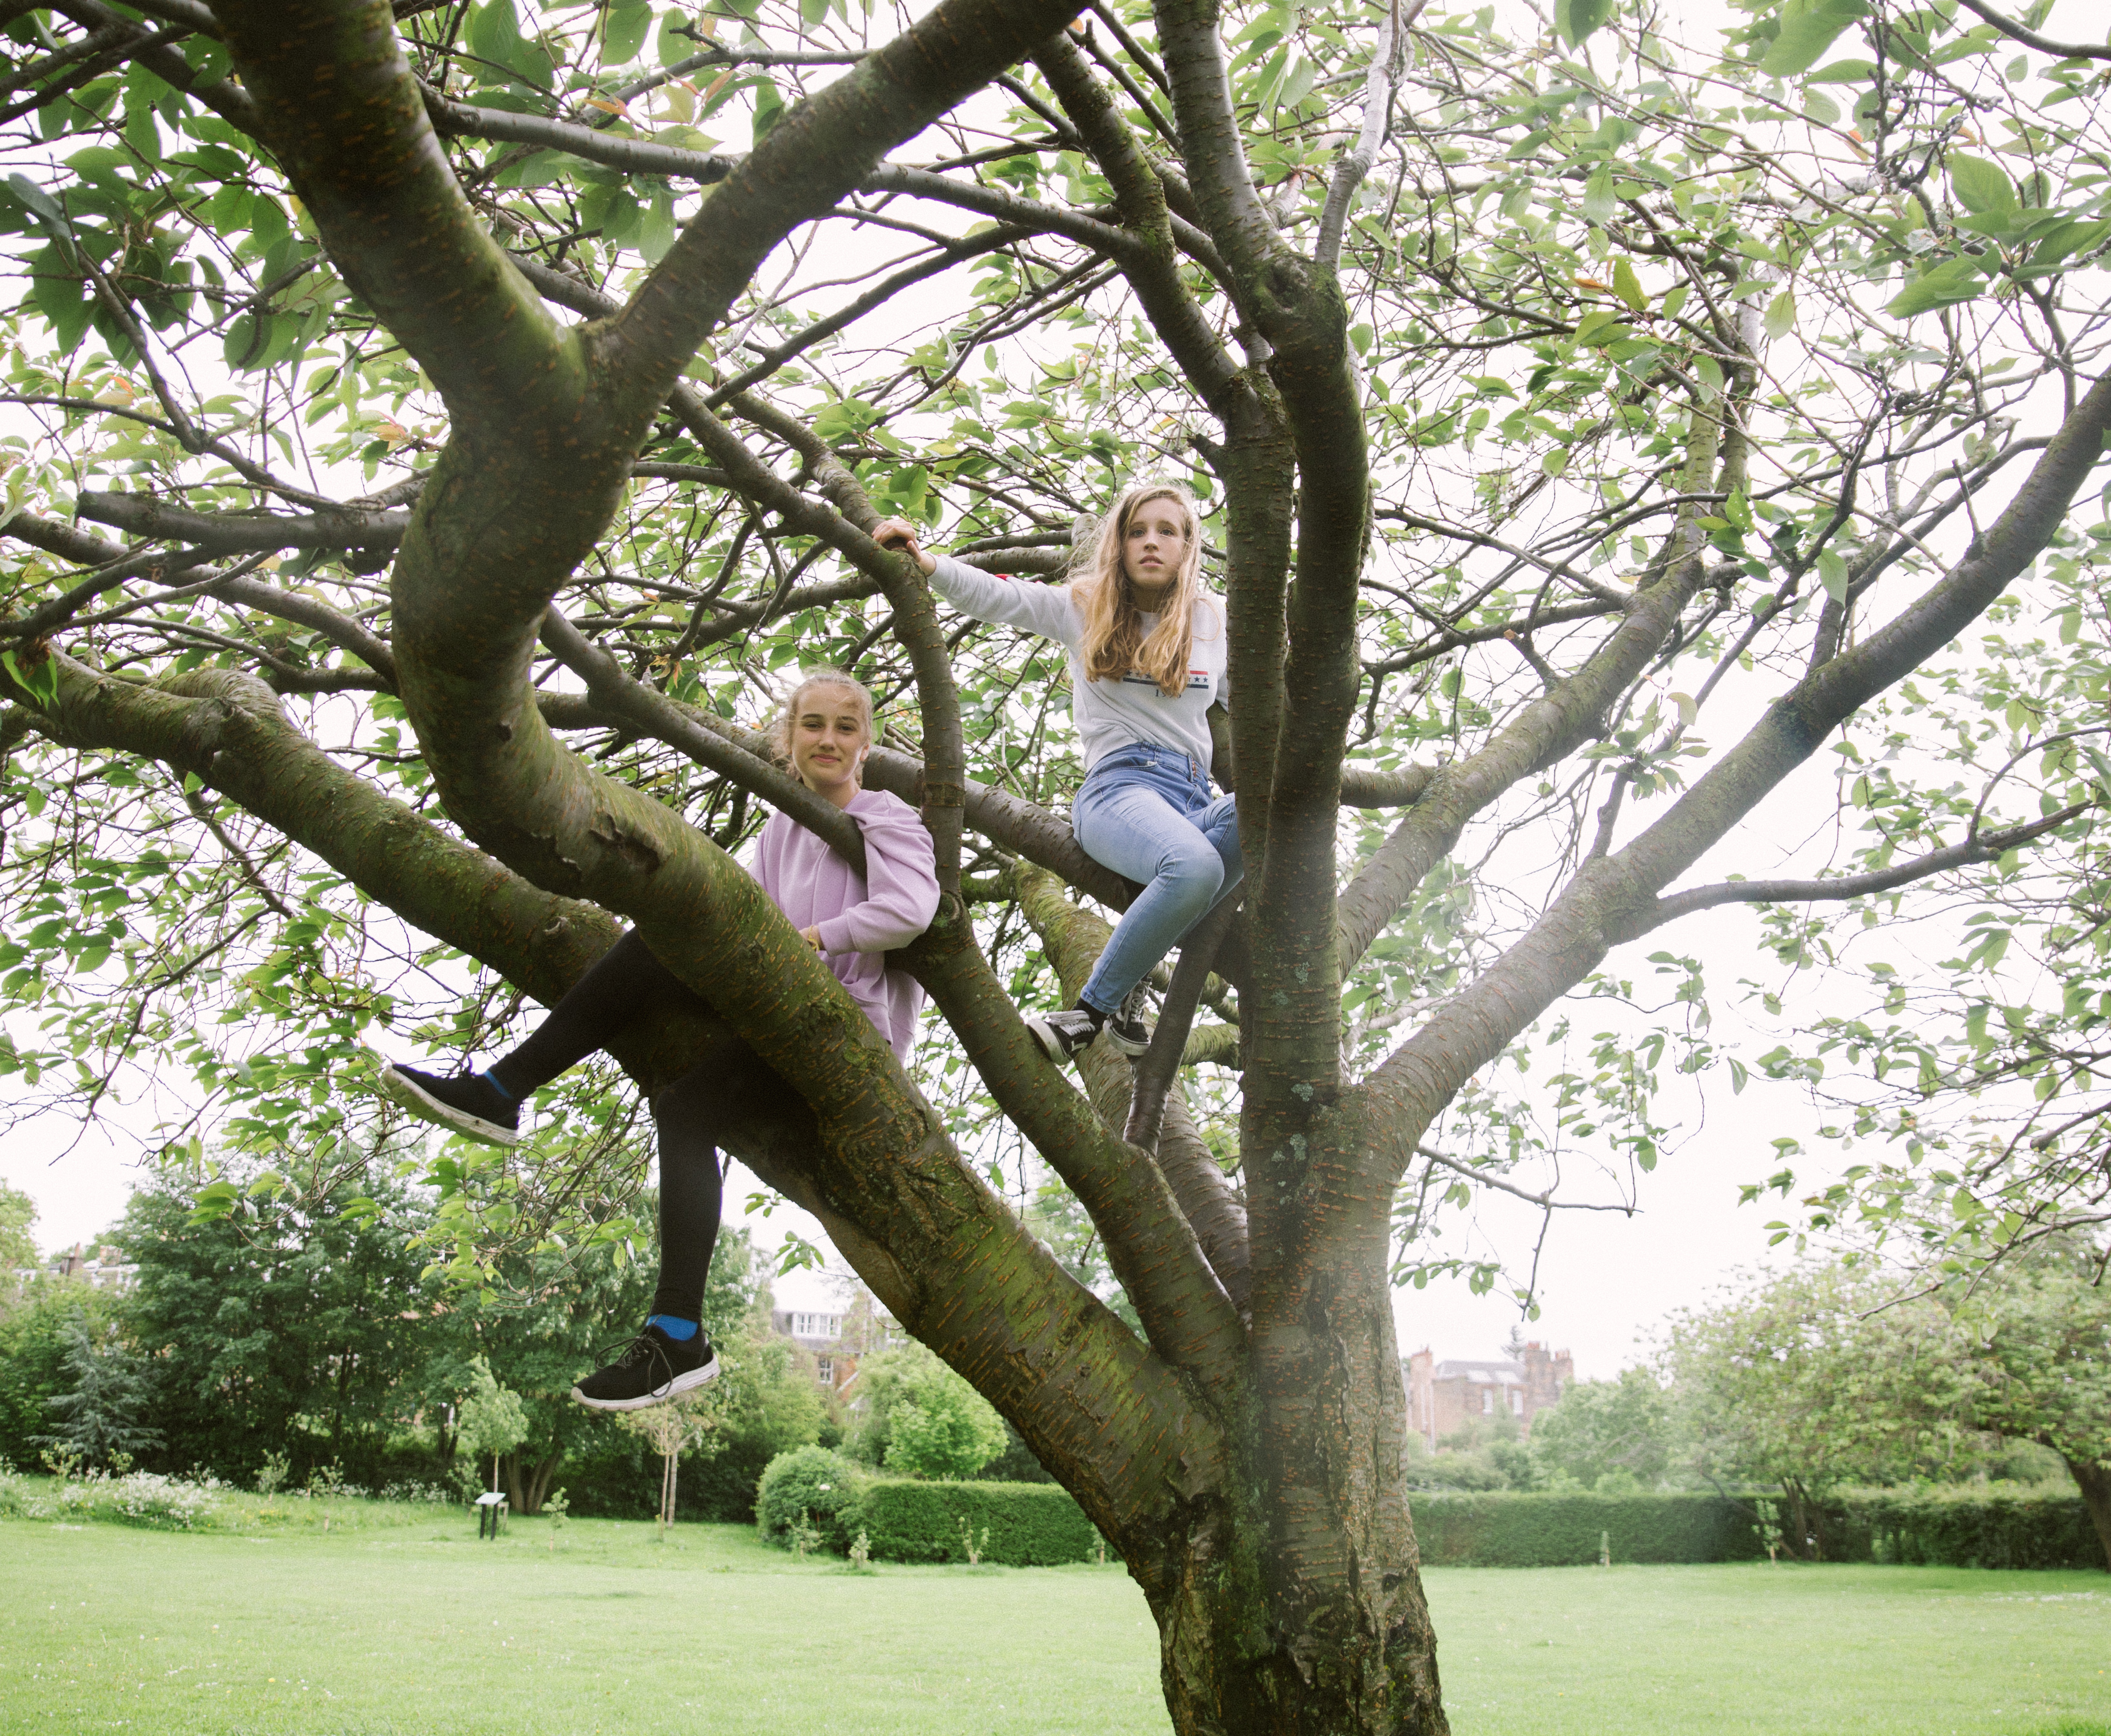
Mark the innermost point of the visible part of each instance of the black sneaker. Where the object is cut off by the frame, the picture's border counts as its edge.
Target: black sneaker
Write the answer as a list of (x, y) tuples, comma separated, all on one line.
[(469, 1103), (1062, 1035), (652, 1369), (1126, 1030)]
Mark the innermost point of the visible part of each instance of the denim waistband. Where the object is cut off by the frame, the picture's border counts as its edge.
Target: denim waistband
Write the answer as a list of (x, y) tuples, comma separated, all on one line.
[(1149, 755)]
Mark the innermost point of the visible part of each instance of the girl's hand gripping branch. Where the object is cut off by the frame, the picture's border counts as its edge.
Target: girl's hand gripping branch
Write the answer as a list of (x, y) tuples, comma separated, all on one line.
[(899, 535)]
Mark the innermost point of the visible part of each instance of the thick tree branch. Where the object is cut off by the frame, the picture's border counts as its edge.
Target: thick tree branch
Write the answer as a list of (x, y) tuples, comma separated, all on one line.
[(649, 711), (1613, 899), (1151, 264), (1550, 728), (1144, 1224)]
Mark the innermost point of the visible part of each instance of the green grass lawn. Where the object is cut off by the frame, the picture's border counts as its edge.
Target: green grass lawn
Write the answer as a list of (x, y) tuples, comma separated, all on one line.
[(417, 1627)]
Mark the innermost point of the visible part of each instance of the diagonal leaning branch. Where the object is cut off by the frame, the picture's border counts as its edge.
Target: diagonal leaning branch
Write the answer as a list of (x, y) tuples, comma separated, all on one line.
[(1615, 898), (945, 1256)]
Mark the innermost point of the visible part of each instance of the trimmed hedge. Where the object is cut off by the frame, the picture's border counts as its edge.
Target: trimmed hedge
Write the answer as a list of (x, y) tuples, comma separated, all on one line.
[(1969, 1528), (1524, 1530), (1960, 1527), (1030, 1524)]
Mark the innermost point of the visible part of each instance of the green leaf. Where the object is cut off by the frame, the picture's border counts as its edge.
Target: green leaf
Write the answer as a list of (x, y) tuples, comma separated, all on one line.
[(767, 106), (2069, 239), (1844, 72), (1833, 574), (1627, 287), (624, 33), (1802, 40), (1982, 187), (1781, 314), (1599, 203), (655, 228), (41, 682), (1575, 20), (494, 33), (47, 210), (1953, 281)]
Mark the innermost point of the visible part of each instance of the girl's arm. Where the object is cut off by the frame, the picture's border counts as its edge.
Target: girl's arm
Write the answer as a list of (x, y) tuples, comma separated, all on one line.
[(901, 884), (1039, 609)]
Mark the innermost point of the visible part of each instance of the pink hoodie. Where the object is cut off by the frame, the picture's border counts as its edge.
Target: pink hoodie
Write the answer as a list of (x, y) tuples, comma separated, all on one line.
[(811, 884)]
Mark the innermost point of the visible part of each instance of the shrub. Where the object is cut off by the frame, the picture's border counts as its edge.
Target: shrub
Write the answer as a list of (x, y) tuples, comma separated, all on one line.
[(808, 1483), (1028, 1524)]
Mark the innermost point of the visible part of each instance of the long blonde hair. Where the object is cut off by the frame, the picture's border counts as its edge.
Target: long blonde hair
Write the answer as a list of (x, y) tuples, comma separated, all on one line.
[(1115, 643), (787, 720)]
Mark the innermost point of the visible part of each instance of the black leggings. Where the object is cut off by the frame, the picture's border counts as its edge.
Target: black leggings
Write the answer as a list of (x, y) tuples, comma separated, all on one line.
[(627, 984)]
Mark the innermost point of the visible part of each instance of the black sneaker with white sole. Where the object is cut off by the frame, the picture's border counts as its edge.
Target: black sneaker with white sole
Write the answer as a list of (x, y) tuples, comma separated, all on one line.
[(1063, 1036), (652, 1369), (1126, 1030), (469, 1103)]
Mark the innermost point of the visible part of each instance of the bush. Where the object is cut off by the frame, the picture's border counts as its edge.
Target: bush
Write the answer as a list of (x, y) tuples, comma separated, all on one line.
[(808, 1480), (1030, 1524)]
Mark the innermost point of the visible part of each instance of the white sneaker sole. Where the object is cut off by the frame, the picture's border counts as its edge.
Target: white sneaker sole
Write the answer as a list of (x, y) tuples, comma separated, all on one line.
[(681, 1384), (407, 1094), (1122, 1045), (1051, 1043)]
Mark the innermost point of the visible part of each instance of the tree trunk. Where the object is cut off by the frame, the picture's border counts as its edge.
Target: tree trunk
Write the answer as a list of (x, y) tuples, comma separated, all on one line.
[(2095, 1481), (1302, 1610), (527, 1482)]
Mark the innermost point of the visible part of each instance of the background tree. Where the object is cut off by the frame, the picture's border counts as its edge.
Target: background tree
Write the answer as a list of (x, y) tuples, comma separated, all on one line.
[(689, 1424), (279, 1324), (1609, 1435), (2039, 1343), (490, 1419), (35, 1334), (915, 1415), (1595, 428), (1832, 1374), (18, 1246), (101, 1423)]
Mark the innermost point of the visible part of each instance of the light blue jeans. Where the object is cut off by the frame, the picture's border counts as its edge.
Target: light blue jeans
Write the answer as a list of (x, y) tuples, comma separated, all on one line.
[(1146, 812)]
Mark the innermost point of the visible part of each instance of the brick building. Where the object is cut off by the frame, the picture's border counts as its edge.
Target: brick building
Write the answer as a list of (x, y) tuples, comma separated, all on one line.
[(1441, 1396)]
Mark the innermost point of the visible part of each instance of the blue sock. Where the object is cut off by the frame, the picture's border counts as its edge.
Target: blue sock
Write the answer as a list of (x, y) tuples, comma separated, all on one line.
[(674, 1326), (491, 1079)]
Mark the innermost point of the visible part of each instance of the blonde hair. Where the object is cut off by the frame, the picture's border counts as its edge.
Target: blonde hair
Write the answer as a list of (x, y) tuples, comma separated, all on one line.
[(780, 732), (1115, 643)]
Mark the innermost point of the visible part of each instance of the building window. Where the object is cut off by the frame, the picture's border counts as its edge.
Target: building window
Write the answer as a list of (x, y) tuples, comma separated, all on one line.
[(816, 1325), (1488, 1400), (1517, 1403), (825, 1367)]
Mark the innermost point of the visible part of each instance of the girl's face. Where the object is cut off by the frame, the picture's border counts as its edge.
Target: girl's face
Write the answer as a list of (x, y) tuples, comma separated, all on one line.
[(830, 741), (1154, 544)]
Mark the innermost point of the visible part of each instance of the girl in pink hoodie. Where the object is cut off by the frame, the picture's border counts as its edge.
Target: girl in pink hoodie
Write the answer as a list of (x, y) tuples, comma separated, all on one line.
[(826, 731)]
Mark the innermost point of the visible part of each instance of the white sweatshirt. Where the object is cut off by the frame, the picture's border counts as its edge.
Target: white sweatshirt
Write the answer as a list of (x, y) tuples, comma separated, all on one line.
[(1110, 714)]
